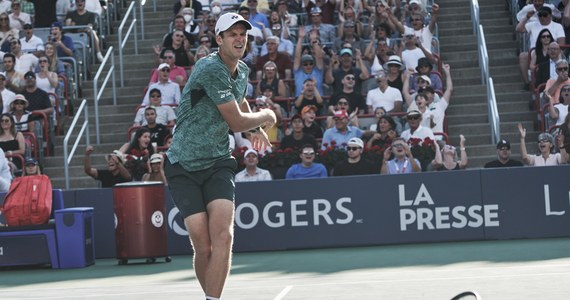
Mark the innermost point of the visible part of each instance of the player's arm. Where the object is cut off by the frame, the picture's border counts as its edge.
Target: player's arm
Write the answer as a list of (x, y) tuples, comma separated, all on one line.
[(239, 120)]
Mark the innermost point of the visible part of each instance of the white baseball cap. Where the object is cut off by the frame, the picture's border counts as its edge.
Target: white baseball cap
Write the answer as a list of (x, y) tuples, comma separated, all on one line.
[(228, 20)]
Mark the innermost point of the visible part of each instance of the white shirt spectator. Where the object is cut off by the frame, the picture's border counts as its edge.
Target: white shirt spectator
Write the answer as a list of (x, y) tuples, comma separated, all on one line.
[(260, 175), (170, 93), (539, 161), (410, 57), (534, 28), (164, 114), (530, 7), (7, 98), (284, 46), (5, 6), (424, 35), (33, 45), (387, 99), (5, 174), (437, 109), (562, 113), (94, 6), (16, 24), (420, 133), (26, 62)]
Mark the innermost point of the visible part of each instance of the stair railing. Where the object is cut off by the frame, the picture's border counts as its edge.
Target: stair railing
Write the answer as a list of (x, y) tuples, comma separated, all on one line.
[(98, 91), (486, 79), (122, 41), (68, 155)]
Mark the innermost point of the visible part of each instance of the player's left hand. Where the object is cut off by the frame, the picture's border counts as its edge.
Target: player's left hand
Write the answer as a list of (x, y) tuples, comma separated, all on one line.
[(260, 141)]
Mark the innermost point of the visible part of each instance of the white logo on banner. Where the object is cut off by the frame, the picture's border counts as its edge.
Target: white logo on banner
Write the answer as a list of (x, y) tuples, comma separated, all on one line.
[(274, 215), (548, 210), (173, 225), (442, 217), (157, 219)]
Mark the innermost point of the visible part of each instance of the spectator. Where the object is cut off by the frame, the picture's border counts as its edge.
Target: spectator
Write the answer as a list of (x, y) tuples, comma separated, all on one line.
[(202, 51), (5, 6), (46, 79), (181, 48), (310, 126), (298, 138), (256, 18), (355, 164), (355, 99), (22, 117), (194, 4), (557, 112), (5, 173), (31, 167), (39, 100), (533, 29), (263, 102), (403, 162), (14, 79), (503, 157), (251, 171), (270, 79), (62, 43), (309, 96), (385, 132), (164, 114), (349, 15), (446, 158), (285, 44), (534, 6), (307, 168), (170, 91), (342, 103), (348, 35), (30, 43), (384, 96), (156, 168), (325, 8), (180, 25), (423, 33), (289, 20), (341, 133), (191, 27), (413, 51), (207, 28), (7, 33), (553, 86), (325, 31), (378, 57), (55, 65), (47, 15), (11, 140), (306, 66), (379, 15), (18, 18), (542, 64), (137, 153), (158, 132), (342, 65), (24, 61), (425, 68), (281, 60), (416, 130), (546, 146), (177, 74), (7, 95), (394, 68), (115, 172)]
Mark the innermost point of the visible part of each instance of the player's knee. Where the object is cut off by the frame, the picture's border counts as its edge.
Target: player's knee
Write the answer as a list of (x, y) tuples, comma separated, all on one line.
[(223, 239)]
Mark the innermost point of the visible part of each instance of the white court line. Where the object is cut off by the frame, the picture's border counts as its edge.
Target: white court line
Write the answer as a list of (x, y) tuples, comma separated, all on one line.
[(283, 292)]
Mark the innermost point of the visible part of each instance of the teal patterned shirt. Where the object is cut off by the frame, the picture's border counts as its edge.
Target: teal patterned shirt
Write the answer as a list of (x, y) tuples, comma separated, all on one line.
[(201, 135)]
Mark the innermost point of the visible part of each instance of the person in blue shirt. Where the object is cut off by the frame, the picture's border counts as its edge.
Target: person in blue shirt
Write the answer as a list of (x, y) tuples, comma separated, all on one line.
[(341, 132), (307, 168), (256, 18)]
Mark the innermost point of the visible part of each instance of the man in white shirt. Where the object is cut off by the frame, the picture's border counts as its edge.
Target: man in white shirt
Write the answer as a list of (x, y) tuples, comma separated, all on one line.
[(24, 61), (5, 6), (535, 6), (170, 91), (30, 43), (251, 171), (7, 95), (416, 130), (384, 96)]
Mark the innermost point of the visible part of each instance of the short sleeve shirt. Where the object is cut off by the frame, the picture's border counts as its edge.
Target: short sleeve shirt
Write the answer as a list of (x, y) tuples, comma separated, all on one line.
[(201, 135)]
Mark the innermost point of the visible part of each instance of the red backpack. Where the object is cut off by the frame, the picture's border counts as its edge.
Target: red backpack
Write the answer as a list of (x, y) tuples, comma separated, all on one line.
[(28, 201)]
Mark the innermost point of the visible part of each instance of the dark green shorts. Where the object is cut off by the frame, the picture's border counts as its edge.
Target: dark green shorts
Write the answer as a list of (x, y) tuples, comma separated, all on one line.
[(192, 191)]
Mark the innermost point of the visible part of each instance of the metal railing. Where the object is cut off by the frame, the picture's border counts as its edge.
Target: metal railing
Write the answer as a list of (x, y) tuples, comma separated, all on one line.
[(486, 79), (122, 41), (68, 155), (98, 93)]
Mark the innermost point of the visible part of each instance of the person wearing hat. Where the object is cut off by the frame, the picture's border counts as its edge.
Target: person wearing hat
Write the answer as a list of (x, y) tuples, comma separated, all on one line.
[(115, 172), (7, 95), (547, 147), (30, 43), (534, 6), (18, 18), (170, 91), (416, 130), (31, 167), (355, 164), (503, 157), (63, 43), (533, 29), (424, 68), (394, 74), (342, 65), (325, 8), (306, 66), (37, 98), (297, 138), (156, 169), (177, 74), (163, 114), (281, 60), (403, 161), (384, 96), (339, 135), (307, 168), (252, 172), (199, 166), (310, 126), (326, 32), (21, 116)]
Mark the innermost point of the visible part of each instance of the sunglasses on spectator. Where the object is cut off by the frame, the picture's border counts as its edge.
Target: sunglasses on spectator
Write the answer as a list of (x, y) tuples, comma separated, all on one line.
[(546, 36), (541, 141), (309, 153), (6, 121), (543, 14), (563, 69), (204, 41), (169, 57), (397, 145), (413, 118), (308, 64), (342, 103), (352, 148), (165, 70), (349, 78)]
